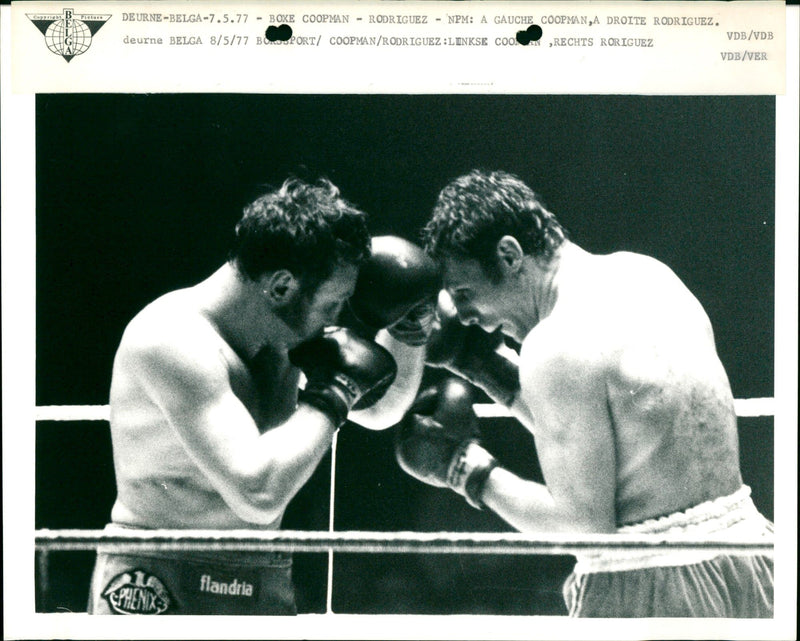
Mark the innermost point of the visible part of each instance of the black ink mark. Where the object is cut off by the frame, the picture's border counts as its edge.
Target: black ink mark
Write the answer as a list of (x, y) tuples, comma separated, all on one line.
[(282, 33), (531, 34)]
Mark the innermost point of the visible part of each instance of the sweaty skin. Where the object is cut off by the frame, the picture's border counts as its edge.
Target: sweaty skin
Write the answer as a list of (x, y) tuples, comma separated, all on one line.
[(622, 388)]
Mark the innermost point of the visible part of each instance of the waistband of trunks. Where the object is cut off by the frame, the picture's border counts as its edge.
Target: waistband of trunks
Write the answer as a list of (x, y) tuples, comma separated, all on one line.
[(734, 516), (221, 557)]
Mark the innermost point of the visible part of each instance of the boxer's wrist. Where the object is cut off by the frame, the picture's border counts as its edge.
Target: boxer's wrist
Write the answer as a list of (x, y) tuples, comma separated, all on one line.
[(327, 401), (469, 470), (344, 371)]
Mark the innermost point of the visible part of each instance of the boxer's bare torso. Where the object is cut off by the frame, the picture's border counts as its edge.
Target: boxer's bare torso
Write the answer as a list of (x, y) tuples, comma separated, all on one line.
[(634, 415), (159, 483)]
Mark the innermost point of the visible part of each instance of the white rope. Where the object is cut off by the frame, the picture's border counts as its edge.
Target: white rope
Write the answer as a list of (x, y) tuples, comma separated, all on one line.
[(748, 407), (73, 413), (745, 408), (384, 542)]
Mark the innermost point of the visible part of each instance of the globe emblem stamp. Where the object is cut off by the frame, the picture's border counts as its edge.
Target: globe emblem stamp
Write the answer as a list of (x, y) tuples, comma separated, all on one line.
[(68, 34)]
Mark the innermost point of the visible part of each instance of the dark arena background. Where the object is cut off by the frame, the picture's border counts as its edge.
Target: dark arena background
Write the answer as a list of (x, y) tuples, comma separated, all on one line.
[(138, 195)]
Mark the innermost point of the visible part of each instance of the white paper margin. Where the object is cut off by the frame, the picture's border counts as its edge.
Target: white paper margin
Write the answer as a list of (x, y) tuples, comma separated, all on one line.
[(18, 290)]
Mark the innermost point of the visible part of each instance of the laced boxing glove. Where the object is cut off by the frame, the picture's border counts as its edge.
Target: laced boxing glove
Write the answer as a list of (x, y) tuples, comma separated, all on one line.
[(396, 289), (343, 372), (442, 449), (470, 352)]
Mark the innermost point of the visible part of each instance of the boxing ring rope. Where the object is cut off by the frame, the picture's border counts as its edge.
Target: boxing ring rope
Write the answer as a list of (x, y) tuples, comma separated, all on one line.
[(385, 542), (47, 541), (745, 408)]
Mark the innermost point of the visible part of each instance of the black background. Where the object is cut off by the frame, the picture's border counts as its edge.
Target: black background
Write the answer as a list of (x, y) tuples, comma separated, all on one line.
[(138, 195)]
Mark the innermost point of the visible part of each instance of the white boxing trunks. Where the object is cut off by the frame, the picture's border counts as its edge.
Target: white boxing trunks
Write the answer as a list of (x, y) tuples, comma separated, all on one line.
[(694, 583)]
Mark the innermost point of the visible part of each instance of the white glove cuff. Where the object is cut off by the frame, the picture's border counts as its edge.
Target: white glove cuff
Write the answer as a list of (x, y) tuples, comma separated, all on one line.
[(468, 471)]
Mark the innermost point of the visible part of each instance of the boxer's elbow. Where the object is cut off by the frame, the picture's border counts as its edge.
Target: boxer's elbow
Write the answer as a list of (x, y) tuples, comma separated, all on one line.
[(388, 410), (253, 499), (256, 509), (378, 417)]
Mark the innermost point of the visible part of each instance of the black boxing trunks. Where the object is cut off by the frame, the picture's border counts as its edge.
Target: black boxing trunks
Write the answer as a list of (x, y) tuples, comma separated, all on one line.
[(234, 583)]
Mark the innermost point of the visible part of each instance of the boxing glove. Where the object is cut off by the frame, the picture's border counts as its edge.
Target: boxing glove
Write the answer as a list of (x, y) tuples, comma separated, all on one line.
[(343, 372), (450, 403), (396, 289), (470, 352), (445, 452)]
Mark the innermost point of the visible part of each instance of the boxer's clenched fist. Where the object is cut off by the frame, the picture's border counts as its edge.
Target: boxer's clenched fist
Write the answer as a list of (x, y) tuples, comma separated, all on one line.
[(397, 290), (344, 371), (470, 352), (445, 452)]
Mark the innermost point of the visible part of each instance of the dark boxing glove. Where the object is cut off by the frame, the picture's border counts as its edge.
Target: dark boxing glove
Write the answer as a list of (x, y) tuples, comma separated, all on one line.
[(445, 452), (343, 372), (450, 403), (470, 352), (396, 289)]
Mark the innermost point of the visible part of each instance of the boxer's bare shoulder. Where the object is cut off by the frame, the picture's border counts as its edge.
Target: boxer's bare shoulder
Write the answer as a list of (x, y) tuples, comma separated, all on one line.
[(643, 288), (172, 332), (166, 319), (171, 360), (626, 372)]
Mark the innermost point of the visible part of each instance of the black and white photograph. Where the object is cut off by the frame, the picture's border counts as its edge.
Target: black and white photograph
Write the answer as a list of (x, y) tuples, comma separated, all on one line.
[(140, 196), (466, 343)]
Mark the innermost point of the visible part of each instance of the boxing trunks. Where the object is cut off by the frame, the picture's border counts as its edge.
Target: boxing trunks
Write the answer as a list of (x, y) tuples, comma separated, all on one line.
[(237, 583), (695, 583)]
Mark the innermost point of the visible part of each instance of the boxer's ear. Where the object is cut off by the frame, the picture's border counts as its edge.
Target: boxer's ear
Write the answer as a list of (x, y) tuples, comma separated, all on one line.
[(280, 286), (509, 255)]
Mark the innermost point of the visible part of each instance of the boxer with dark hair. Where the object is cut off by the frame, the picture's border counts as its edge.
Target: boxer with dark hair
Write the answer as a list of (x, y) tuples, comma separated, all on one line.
[(210, 427), (619, 381)]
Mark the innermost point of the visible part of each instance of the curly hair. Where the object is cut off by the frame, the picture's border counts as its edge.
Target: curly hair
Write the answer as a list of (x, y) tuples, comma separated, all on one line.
[(303, 227), (473, 212)]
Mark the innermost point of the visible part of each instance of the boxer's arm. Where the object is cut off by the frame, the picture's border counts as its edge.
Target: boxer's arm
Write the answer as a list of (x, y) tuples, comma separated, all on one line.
[(575, 446), (395, 293), (393, 405), (256, 474)]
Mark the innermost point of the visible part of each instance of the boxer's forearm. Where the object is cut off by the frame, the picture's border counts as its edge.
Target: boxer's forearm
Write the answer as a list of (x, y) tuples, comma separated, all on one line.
[(526, 505), (391, 408), (269, 472)]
